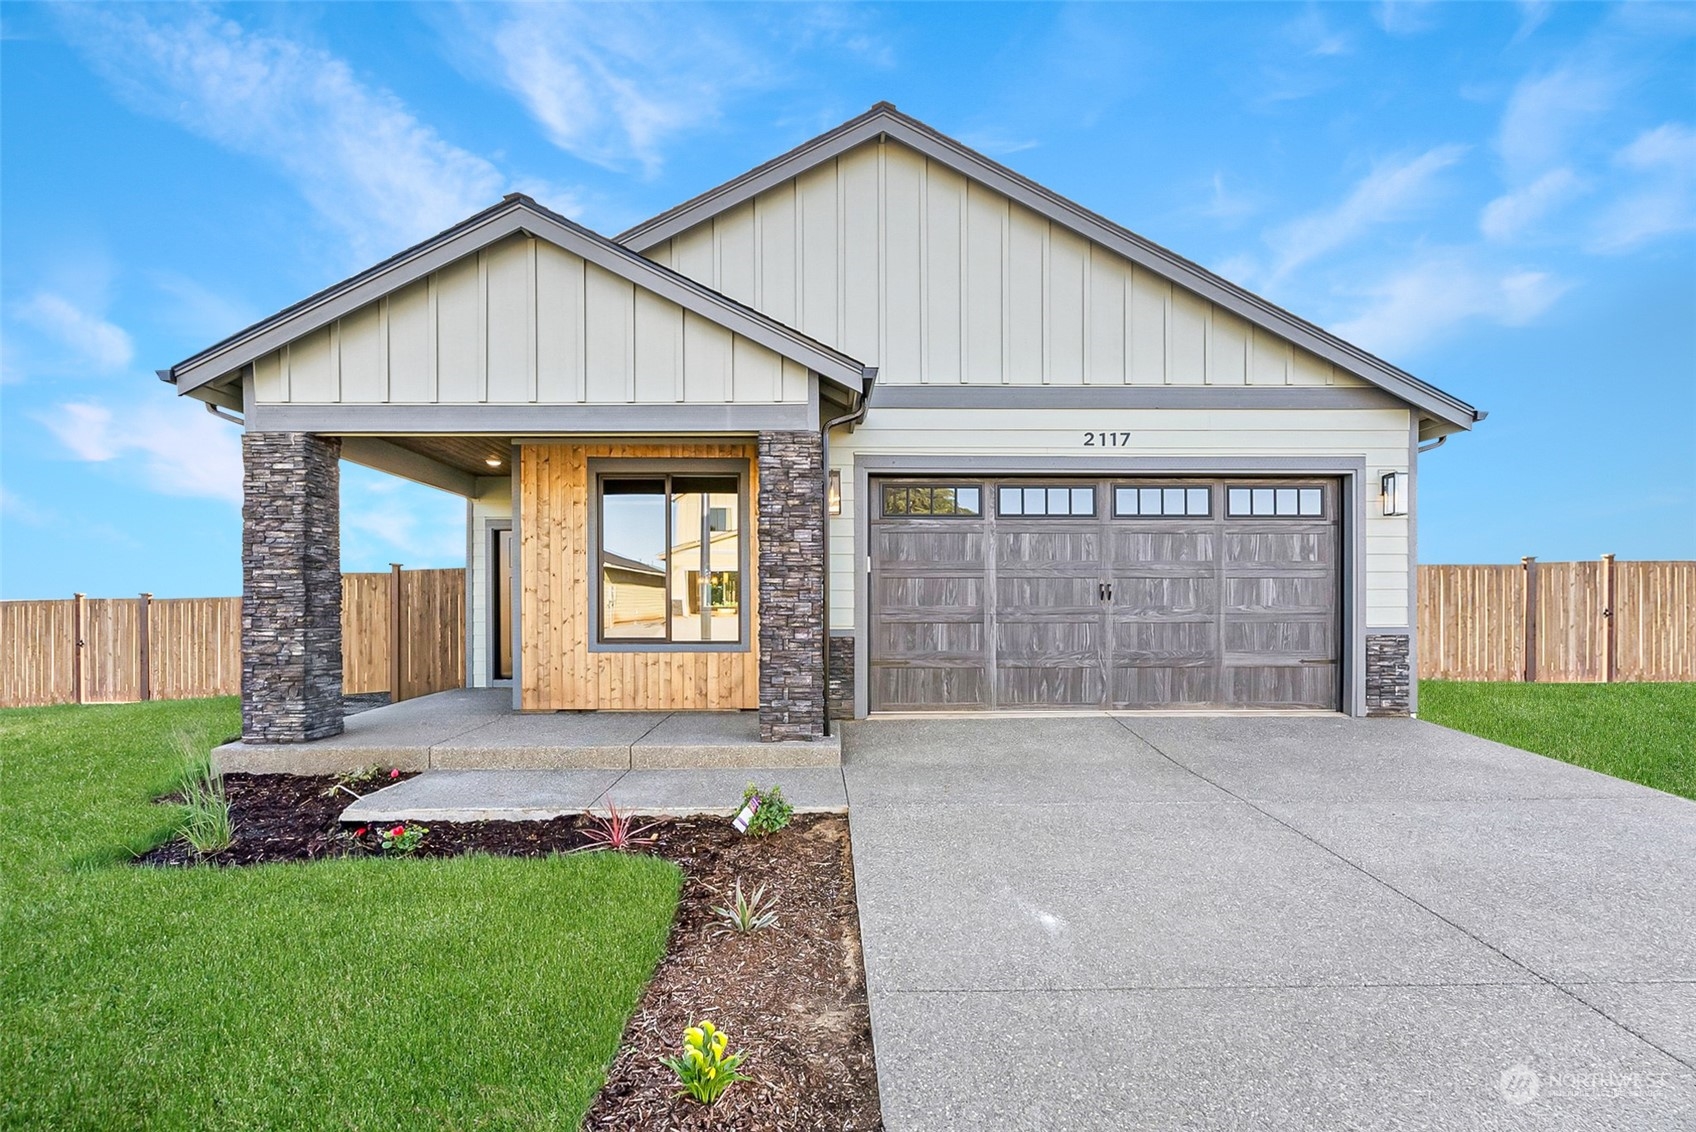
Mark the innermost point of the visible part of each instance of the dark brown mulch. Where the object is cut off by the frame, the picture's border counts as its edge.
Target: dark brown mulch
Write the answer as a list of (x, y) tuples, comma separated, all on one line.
[(792, 997)]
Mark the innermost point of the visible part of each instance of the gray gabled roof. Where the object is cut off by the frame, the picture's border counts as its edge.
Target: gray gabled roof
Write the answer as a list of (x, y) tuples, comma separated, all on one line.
[(515, 213), (883, 120)]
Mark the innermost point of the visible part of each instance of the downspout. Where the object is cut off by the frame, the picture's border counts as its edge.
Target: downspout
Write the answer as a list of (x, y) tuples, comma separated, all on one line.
[(224, 414), (851, 418)]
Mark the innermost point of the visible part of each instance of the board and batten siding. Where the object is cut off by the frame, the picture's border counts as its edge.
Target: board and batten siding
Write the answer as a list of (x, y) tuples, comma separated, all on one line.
[(523, 321), (557, 669), (1379, 436), (904, 264)]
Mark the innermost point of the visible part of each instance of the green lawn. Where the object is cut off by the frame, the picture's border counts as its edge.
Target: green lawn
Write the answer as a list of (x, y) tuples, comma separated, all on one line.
[(1641, 732), (360, 994)]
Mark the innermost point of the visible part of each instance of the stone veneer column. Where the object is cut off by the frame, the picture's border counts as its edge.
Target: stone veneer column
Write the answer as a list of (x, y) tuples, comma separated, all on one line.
[(1389, 674), (291, 599), (791, 581), (839, 674)]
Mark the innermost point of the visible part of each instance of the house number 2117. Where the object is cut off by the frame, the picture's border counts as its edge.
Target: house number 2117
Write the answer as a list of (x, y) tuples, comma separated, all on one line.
[(1107, 439)]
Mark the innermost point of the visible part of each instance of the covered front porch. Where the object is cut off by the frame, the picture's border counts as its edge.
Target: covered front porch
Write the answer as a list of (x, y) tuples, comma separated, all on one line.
[(478, 729)]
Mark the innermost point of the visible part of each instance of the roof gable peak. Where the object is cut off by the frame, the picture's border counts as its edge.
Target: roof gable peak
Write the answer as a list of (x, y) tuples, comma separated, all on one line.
[(884, 120)]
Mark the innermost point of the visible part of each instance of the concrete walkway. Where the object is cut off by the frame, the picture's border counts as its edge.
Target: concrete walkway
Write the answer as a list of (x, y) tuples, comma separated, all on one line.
[(1316, 923), (536, 795), (476, 729)]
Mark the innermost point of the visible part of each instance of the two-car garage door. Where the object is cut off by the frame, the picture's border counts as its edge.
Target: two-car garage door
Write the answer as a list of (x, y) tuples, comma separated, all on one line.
[(1021, 594)]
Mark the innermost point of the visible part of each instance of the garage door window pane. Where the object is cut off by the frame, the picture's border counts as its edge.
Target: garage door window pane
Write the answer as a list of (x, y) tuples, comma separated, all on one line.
[(1124, 501), (1083, 501), (1198, 502), (966, 501), (1276, 502), (1012, 501)]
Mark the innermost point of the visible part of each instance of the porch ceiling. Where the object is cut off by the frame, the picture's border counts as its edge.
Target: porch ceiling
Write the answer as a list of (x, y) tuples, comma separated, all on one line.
[(469, 454)]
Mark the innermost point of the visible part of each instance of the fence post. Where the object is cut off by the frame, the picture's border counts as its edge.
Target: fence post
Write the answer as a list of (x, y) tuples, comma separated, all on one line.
[(77, 609), (1530, 564), (1610, 623), (144, 647), (395, 666)]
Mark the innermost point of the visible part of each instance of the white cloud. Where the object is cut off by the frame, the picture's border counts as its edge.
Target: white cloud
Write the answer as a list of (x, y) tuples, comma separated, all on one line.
[(1671, 147), (611, 83), (1312, 35), (1544, 112), (1391, 191), (1663, 202), (1513, 213), (1532, 13), (1417, 306), (1226, 205), (176, 449), (385, 519), (20, 510), (355, 152), (1406, 17), (90, 339)]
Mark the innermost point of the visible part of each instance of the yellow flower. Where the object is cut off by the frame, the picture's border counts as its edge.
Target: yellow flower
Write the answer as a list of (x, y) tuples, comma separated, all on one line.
[(694, 1036), (696, 1056), (719, 1042), (711, 1073)]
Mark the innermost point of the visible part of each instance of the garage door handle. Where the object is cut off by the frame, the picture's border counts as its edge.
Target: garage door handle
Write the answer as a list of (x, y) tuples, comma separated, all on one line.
[(1104, 591)]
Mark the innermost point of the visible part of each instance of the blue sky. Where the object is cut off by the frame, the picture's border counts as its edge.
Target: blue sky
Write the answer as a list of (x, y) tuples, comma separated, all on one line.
[(1500, 198)]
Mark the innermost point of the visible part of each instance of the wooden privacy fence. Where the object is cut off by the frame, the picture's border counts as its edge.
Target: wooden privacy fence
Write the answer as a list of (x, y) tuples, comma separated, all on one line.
[(119, 650), (1559, 622)]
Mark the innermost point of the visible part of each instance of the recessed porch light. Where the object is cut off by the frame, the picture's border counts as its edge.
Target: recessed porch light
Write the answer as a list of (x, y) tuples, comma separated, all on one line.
[(493, 461)]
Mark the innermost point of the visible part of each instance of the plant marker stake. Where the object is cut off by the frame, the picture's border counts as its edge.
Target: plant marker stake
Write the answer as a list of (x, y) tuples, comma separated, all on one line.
[(747, 814)]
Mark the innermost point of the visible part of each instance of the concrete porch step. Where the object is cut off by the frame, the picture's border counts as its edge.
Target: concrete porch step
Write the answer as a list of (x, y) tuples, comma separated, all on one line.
[(537, 795), (476, 729)]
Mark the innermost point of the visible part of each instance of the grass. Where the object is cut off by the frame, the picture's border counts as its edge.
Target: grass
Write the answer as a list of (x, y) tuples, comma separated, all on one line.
[(1643, 733), (471, 993)]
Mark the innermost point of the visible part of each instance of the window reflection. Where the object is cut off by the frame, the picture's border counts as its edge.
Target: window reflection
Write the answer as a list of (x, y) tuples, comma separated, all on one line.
[(670, 559), (706, 557), (633, 602)]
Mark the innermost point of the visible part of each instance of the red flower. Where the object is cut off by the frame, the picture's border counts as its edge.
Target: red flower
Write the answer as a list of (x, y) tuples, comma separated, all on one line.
[(360, 832), (397, 831), (395, 773)]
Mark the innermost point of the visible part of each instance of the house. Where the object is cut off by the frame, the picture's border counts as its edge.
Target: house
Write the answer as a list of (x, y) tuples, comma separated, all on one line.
[(879, 426)]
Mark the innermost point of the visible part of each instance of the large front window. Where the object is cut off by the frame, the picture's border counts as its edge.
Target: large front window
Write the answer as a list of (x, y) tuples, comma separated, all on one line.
[(670, 558)]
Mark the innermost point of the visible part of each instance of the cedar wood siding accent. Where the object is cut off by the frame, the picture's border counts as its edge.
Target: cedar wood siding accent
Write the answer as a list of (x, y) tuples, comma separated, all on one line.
[(557, 670)]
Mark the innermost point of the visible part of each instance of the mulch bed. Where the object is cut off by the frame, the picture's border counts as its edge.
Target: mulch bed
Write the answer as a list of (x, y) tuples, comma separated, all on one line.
[(792, 997)]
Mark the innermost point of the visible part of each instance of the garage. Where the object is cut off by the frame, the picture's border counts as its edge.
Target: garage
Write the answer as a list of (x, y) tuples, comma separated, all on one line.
[(1021, 593)]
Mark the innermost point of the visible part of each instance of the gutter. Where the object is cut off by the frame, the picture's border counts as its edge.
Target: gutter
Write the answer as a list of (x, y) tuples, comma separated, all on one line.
[(850, 418)]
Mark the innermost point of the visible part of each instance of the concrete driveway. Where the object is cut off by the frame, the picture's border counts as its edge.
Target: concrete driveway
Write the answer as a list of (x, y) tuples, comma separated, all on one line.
[(1267, 922)]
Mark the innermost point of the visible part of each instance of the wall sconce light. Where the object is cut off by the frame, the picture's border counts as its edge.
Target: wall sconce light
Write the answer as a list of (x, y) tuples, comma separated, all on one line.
[(833, 492), (1393, 488)]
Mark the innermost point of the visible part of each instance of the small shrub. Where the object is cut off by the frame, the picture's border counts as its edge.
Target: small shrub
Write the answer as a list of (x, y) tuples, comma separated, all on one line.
[(206, 824), (402, 839), (616, 831), (705, 1070), (771, 813), (748, 913)]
